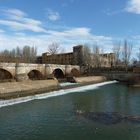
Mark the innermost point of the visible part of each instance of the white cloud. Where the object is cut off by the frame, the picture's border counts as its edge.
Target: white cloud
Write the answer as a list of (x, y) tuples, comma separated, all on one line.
[(14, 12), (22, 26), (53, 15), (18, 20), (2, 31), (133, 6), (72, 32), (137, 37), (66, 38)]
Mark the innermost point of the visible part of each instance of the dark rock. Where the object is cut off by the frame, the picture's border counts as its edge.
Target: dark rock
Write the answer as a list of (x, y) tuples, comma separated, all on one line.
[(108, 117), (135, 119)]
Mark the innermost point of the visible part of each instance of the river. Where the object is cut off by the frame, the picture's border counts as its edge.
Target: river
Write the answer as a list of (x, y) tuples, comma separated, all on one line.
[(55, 118)]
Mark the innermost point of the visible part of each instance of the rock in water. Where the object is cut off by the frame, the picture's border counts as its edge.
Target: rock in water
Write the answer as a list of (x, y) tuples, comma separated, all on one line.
[(108, 117)]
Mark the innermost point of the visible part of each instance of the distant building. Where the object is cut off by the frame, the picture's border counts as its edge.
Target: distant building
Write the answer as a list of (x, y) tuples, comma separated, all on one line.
[(74, 58), (63, 58), (38, 59), (136, 67), (108, 59)]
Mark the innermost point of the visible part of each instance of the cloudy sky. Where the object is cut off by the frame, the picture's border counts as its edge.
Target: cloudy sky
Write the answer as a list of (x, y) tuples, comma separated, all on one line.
[(68, 22)]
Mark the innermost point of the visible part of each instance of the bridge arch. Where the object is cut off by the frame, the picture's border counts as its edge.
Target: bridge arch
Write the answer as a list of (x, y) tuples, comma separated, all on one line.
[(35, 75), (75, 72), (58, 73), (5, 75)]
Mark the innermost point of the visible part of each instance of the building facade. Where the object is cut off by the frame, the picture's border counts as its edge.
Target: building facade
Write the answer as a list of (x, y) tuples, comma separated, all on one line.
[(63, 58), (75, 58)]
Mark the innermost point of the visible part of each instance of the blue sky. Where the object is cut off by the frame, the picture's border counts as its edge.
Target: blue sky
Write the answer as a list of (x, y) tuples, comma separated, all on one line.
[(68, 22)]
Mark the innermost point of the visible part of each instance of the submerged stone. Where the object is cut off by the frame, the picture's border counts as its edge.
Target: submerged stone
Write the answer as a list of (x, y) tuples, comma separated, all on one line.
[(108, 117)]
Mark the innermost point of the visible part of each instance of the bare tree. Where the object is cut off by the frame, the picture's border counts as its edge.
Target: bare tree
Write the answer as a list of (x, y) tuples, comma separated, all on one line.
[(117, 51), (126, 53), (18, 52), (29, 53), (26, 54), (138, 55), (33, 54), (53, 48), (96, 57), (86, 55), (82, 57), (13, 53)]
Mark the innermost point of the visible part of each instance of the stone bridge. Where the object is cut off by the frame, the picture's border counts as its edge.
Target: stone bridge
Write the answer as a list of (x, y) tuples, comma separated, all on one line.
[(25, 71)]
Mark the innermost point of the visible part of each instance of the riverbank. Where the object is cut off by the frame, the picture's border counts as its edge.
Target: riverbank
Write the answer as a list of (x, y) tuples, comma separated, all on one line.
[(19, 89), (10, 90)]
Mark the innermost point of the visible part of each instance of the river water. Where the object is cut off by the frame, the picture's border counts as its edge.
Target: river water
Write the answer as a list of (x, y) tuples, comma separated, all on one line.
[(55, 118)]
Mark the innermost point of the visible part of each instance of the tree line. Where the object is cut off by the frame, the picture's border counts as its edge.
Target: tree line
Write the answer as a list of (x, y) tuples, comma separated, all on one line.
[(26, 54)]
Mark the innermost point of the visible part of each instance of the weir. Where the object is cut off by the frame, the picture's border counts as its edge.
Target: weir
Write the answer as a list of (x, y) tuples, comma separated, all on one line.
[(53, 94)]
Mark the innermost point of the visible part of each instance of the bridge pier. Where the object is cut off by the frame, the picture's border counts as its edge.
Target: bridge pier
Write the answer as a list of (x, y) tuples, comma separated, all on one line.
[(20, 74), (68, 70), (48, 72)]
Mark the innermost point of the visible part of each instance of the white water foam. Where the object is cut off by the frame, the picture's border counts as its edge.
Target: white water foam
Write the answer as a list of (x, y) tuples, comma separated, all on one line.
[(52, 94), (67, 84)]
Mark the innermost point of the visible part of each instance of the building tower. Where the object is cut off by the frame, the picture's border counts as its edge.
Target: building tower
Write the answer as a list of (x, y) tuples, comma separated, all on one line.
[(78, 54)]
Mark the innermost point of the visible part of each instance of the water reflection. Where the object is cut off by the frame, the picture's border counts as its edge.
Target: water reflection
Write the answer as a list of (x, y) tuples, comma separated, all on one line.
[(108, 117), (111, 98)]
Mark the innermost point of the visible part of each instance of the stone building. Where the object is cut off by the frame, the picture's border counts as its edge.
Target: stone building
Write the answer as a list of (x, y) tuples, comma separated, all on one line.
[(108, 59), (75, 57), (63, 58)]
